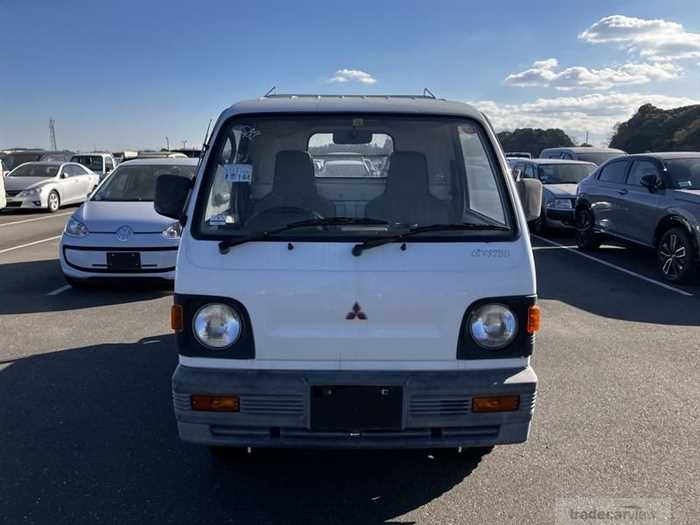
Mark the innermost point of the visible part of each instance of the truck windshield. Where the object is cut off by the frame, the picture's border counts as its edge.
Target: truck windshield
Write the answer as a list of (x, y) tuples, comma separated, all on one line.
[(379, 174)]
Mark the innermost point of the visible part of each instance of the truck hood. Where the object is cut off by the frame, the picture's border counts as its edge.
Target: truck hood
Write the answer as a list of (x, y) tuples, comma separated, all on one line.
[(24, 183), (561, 191), (301, 301), (108, 217)]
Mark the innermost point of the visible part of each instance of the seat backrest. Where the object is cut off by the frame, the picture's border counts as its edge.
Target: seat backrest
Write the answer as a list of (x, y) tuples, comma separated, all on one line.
[(407, 198), (294, 184)]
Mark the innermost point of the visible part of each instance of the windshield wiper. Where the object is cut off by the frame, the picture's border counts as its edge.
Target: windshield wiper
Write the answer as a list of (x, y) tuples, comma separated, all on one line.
[(224, 246), (467, 226)]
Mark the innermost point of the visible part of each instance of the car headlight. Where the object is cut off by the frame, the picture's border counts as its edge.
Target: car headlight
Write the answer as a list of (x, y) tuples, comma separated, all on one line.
[(562, 204), (493, 326), (29, 193), (76, 228), (173, 231), (217, 326)]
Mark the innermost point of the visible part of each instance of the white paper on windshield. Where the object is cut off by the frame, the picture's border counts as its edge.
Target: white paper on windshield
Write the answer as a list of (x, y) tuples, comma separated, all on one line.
[(238, 172)]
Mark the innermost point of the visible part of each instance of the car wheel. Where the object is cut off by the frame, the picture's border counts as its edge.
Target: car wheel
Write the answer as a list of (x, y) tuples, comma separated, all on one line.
[(586, 238), (538, 226), (674, 255), (53, 202)]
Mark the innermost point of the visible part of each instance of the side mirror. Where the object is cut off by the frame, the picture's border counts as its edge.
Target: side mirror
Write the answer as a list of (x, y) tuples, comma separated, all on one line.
[(650, 182), (171, 196), (530, 192)]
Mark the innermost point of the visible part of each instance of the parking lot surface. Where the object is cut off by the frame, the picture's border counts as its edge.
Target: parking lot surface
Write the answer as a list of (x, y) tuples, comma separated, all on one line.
[(87, 433)]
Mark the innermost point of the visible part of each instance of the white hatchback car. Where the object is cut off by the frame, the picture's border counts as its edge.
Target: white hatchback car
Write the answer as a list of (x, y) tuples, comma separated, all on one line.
[(49, 185), (392, 311), (117, 234)]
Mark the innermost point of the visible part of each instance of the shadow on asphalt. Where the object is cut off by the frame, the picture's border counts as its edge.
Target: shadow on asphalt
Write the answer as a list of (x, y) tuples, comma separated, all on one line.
[(607, 292), (24, 287), (88, 436)]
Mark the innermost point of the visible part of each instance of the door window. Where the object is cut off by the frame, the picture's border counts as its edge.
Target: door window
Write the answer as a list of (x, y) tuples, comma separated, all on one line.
[(69, 171), (614, 173), (639, 169), (79, 170)]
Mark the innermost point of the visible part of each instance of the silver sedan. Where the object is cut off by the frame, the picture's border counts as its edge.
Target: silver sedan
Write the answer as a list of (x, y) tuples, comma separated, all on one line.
[(48, 185), (117, 234)]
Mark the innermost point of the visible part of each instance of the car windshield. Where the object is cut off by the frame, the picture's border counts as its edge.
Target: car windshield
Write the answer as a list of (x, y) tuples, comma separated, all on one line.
[(597, 157), (563, 173), (137, 182), (93, 162), (378, 174), (685, 173), (36, 169), (12, 160)]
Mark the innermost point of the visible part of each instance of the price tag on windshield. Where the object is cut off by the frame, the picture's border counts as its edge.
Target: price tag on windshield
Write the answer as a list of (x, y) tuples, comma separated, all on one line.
[(238, 172)]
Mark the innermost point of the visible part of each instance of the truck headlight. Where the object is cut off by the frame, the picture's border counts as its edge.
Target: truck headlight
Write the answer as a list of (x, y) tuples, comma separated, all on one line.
[(75, 228), (173, 231), (493, 326), (217, 326), (561, 204)]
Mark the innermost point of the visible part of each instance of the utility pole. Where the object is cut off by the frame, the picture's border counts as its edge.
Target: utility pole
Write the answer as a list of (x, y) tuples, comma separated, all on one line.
[(184, 144), (587, 138), (52, 134), (167, 143)]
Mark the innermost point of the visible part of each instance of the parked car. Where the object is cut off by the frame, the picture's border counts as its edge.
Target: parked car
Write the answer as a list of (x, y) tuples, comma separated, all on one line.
[(345, 168), (100, 163), (584, 153), (48, 185), (559, 179), (303, 309), (117, 234), (3, 201), (650, 200)]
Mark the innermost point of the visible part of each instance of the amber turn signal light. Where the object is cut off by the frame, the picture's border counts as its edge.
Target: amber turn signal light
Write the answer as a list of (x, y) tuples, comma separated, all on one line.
[(215, 403), (533, 319), (176, 319), (495, 404)]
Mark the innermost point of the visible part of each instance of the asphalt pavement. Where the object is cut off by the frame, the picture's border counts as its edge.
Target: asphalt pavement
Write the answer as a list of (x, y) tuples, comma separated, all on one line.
[(87, 433)]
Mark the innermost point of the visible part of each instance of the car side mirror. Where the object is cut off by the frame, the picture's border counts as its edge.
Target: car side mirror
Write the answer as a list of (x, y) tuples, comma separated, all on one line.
[(650, 182), (530, 193), (171, 196)]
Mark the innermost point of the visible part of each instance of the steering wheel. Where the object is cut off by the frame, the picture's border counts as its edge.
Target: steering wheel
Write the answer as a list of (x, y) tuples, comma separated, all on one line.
[(279, 216)]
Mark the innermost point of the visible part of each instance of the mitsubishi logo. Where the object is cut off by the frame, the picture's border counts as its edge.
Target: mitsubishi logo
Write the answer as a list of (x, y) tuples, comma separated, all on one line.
[(356, 313)]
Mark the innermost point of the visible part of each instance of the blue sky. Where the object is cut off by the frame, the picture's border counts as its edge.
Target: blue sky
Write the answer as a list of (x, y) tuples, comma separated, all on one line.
[(126, 74)]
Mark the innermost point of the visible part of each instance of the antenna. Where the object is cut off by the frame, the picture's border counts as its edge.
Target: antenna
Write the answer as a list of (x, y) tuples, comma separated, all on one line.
[(270, 91), (428, 93), (52, 134), (206, 135)]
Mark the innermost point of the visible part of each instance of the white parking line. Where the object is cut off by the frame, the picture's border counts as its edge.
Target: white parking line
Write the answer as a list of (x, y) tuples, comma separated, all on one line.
[(36, 219), (60, 290), (614, 266), (29, 244)]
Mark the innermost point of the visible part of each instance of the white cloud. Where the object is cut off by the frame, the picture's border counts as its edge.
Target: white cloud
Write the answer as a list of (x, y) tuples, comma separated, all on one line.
[(352, 75), (656, 40), (543, 73), (596, 113)]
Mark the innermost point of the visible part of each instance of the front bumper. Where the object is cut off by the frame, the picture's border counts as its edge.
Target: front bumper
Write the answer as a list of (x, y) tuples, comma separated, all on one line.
[(82, 260), (275, 408), (31, 203)]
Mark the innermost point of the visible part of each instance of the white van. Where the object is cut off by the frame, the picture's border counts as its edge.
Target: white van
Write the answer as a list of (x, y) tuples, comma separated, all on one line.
[(389, 311)]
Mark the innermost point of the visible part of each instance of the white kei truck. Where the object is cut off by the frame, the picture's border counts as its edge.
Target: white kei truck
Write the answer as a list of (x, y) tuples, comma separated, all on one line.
[(386, 309)]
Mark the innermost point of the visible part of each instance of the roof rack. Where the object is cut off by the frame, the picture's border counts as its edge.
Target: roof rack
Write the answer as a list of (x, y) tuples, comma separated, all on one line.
[(318, 95)]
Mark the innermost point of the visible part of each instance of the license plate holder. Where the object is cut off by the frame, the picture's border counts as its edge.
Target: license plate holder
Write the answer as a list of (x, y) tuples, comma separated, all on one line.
[(123, 261), (355, 408)]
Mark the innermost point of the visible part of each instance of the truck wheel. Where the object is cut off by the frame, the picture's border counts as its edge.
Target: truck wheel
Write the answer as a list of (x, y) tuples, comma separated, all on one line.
[(53, 202), (586, 238), (674, 255)]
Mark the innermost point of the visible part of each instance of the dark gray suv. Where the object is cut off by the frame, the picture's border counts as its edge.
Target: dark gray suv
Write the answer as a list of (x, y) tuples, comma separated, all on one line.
[(650, 199)]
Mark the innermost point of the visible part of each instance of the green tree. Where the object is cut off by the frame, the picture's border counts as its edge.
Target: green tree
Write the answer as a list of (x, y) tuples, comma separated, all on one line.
[(534, 141)]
